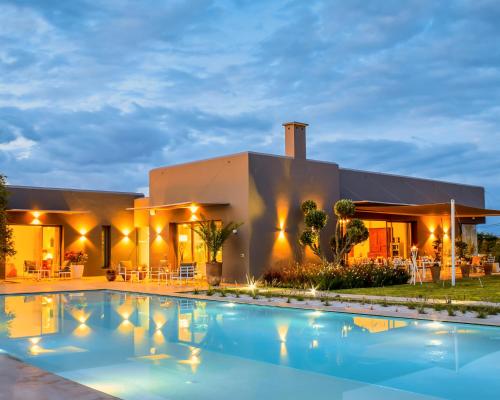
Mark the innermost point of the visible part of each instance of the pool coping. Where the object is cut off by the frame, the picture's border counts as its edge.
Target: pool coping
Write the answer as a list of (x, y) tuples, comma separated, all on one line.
[(22, 380), (187, 292)]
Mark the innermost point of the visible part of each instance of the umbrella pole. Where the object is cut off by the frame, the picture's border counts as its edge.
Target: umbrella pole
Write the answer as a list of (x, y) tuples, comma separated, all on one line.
[(452, 223)]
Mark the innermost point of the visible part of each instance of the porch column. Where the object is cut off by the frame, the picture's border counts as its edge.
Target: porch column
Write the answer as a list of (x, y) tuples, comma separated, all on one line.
[(452, 223)]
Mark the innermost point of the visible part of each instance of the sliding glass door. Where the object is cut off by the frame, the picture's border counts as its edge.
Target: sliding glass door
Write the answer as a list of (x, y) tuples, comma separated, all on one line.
[(38, 245)]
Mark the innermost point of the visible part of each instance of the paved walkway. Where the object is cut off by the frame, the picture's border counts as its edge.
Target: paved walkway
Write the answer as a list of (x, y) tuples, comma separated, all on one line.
[(20, 381)]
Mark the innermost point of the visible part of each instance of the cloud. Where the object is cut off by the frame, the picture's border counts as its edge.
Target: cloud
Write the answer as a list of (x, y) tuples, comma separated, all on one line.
[(92, 86)]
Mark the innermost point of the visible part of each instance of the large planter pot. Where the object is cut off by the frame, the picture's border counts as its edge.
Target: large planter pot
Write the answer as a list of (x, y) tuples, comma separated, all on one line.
[(110, 275), (488, 268), (214, 273), (465, 269), (436, 273), (77, 271)]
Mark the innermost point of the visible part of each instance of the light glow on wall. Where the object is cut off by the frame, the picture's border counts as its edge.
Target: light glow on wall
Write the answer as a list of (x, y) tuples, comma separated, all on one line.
[(83, 233), (36, 218)]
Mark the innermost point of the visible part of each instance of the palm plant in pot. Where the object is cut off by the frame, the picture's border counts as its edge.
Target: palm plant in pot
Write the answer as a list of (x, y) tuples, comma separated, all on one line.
[(214, 235), (437, 246), (465, 265)]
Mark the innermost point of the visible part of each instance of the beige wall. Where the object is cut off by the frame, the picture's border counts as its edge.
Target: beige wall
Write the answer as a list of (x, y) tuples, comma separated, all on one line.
[(104, 208), (219, 180), (278, 186)]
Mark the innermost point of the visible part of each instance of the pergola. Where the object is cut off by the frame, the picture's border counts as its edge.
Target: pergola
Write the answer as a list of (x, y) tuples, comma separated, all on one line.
[(451, 210)]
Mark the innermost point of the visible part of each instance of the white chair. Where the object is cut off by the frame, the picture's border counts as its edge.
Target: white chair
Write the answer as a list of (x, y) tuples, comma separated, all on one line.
[(186, 272), (161, 272)]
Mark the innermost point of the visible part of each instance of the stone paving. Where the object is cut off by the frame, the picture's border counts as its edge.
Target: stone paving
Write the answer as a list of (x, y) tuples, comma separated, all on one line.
[(20, 381)]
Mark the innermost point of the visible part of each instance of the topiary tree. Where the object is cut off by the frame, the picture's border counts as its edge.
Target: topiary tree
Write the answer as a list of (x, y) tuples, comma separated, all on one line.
[(348, 232), (6, 241), (315, 220)]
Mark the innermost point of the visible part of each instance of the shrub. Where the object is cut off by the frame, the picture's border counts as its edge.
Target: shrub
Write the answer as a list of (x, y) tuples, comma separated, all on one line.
[(315, 220), (333, 277)]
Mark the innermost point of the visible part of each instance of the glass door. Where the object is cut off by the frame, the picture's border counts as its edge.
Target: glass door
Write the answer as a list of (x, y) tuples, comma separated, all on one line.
[(35, 245)]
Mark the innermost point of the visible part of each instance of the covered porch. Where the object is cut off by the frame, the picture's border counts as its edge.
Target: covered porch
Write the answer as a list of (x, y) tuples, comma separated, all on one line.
[(429, 230)]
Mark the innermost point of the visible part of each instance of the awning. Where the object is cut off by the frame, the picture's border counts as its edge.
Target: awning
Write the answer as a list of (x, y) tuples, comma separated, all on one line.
[(176, 206), (433, 209)]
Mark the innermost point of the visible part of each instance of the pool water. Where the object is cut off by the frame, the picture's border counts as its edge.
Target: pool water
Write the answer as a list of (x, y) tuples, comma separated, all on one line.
[(136, 346)]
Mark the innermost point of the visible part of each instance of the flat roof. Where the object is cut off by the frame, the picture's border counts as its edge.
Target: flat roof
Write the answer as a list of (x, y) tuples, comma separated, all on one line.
[(48, 211), (73, 190)]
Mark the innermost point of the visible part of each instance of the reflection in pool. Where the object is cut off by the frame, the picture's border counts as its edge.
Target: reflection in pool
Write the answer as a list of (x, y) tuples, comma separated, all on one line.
[(152, 347)]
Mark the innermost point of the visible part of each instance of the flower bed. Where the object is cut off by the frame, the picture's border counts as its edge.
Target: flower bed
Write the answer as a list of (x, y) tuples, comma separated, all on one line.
[(333, 277)]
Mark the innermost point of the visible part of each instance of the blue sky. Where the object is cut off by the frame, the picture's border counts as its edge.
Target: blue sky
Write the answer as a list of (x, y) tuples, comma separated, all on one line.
[(96, 89)]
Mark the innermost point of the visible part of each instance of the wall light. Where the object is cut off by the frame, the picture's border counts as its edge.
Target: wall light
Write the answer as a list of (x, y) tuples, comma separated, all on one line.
[(281, 229), (36, 216), (193, 208), (152, 212), (83, 234)]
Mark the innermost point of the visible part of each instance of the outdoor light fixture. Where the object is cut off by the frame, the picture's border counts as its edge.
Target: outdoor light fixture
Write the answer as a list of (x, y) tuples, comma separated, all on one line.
[(83, 232), (281, 230), (193, 208), (36, 220), (152, 212)]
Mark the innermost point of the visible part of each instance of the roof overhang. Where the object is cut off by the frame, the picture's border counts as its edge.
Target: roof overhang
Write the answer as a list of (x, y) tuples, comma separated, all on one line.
[(432, 209), (177, 206), (48, 211)]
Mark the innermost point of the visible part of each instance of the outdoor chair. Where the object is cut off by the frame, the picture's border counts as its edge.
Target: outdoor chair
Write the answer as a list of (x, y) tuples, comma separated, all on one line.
[(162, 271), (62, 271), (30, 267), (185, 272), (125, 270)]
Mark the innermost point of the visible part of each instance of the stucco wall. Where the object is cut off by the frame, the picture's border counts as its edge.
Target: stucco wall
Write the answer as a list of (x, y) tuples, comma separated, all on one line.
[(219, 180), (278, 186), (104, 208)]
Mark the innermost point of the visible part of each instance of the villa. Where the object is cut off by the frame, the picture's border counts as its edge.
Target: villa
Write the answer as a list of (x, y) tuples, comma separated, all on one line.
[(263, 191)]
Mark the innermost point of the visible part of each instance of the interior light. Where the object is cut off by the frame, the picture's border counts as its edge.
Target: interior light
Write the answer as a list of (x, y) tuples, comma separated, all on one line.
[(152, 212)]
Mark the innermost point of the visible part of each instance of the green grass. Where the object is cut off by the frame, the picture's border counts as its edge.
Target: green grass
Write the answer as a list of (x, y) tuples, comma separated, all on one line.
[(488, 289)]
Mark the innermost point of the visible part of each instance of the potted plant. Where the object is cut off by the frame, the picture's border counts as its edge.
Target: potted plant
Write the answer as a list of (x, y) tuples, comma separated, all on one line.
[(465, 265), (110, 274), (76, 260), (437, 245), (214, 236)]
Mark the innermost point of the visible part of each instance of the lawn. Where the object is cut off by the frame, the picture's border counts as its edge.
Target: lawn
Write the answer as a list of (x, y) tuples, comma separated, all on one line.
[(486, 289)]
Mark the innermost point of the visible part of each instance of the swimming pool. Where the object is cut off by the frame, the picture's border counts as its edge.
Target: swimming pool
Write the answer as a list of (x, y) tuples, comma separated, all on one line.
[(138, 346)]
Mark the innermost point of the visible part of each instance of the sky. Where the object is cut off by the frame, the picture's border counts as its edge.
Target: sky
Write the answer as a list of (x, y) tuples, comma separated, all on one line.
[(95, 93)]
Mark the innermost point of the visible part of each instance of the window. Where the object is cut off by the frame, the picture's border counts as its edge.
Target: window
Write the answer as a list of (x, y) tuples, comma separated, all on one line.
[(106, 246), (190, 246)]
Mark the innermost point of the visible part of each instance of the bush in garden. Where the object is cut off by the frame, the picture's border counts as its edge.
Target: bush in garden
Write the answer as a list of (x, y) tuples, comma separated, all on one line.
[(333, 277), (348, 232), (315, 220)]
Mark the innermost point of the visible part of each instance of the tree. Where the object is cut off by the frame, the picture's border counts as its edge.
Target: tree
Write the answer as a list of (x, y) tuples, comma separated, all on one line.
[(348, 232), (6, 241), (315, 220)]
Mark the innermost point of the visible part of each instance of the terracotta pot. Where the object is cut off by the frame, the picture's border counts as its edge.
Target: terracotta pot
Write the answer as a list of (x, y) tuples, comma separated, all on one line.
[(465, 270), (214, 273), (488, 268), (435, 272), (110, 275)]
